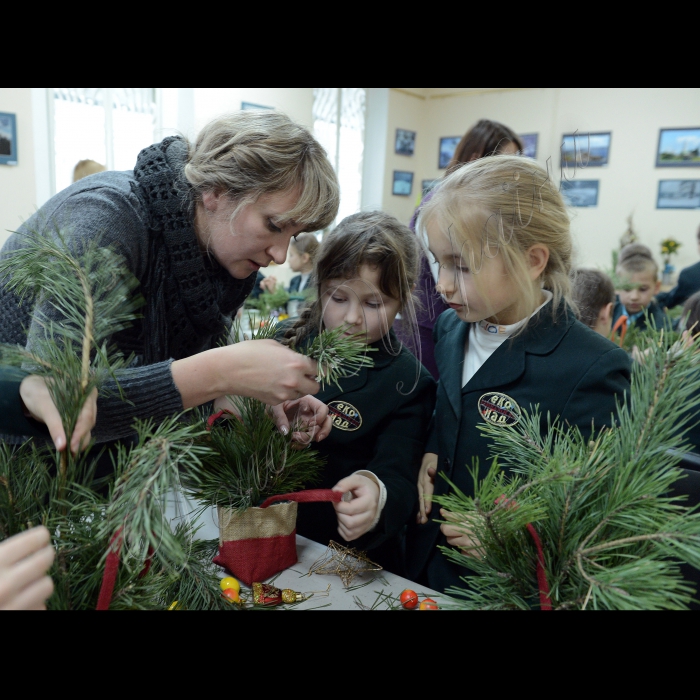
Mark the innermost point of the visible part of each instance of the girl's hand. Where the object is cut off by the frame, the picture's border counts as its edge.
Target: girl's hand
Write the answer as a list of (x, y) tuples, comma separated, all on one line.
[(24, 561), (426, 487), (459, 535), (258, 369), (269, 284), (309, 417), (38, 402), (356, 517)]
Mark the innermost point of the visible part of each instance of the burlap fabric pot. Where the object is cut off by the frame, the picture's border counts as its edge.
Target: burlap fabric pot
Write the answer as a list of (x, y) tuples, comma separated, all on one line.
[(259, 543)]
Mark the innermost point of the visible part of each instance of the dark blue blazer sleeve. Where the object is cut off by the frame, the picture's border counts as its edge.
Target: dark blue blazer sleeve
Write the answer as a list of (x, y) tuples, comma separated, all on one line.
[(12, 418), (594, 401)]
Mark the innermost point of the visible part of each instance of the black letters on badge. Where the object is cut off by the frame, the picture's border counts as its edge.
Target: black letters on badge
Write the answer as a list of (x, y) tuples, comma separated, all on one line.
[(499, 409), (345, 416)]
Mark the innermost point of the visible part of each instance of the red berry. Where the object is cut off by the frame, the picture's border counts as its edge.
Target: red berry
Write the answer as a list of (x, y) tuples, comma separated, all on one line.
[(233, 595), (429, 604), (409, 600)]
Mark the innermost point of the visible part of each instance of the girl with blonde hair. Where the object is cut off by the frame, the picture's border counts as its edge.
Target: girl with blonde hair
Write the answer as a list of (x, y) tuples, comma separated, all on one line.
[(500, 232), (194, 223)]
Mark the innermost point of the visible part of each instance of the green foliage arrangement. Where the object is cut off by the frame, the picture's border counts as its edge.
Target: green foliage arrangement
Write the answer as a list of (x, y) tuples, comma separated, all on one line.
[(613, 536), (268, 302), (249, 460), (81, 300)]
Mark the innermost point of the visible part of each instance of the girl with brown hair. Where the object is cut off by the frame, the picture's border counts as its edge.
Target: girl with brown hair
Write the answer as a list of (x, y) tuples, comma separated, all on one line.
[(365, 274)]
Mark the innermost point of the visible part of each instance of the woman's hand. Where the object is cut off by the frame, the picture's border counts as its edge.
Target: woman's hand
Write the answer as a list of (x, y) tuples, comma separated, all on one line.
[(308, 417), (356, 517), (426, 487), (459, 535), (38, 402), (258, 369), (24, 562)]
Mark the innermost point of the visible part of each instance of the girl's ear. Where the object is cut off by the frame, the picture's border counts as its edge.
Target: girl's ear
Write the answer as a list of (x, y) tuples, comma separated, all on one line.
[(306, 259), (538, 257), (606, 313)]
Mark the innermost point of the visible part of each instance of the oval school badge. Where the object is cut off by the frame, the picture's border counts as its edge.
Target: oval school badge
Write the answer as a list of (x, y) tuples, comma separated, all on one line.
[(345, 416), (499, 409)]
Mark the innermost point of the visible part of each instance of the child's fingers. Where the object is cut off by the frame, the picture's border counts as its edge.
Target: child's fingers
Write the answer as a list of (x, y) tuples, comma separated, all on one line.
[(23, 576), (32, 598), (450, 531), (355, 507), (22, 546)]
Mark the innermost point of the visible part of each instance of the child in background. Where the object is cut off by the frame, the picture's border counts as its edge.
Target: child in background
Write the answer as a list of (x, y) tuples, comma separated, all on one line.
[(365, 274), (302, 254), (85, 168), (594, 296), (511, 342), (639, 273), (688, 285)]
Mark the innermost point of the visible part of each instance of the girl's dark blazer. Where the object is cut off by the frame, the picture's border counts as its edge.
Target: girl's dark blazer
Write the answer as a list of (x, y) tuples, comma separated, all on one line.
[(12, 418), (394, 401), (567, 370)]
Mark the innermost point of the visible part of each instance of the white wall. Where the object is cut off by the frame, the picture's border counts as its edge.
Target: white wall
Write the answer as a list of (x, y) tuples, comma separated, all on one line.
[(18, 196), (628, 185), (212, 102)]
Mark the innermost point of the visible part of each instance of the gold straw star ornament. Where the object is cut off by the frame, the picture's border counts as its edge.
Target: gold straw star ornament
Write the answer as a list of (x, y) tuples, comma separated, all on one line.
[(345, 563)]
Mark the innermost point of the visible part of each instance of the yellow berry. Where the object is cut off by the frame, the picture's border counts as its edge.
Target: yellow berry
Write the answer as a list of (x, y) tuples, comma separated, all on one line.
[(230, 584)]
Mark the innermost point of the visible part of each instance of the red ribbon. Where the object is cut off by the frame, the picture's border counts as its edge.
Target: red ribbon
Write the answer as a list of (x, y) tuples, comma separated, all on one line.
[(109, 580), (545, 591), (305, 497), (212, 420)]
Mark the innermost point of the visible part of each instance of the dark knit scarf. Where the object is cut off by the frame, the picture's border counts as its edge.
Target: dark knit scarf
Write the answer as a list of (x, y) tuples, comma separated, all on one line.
[(190, 298)]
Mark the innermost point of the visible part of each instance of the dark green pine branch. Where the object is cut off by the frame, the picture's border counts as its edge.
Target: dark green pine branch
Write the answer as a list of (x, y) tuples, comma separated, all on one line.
[(613, 535)]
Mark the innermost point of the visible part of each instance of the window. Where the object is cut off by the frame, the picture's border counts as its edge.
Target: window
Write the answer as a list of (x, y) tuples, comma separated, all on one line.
[(108, 125), (339, 125)]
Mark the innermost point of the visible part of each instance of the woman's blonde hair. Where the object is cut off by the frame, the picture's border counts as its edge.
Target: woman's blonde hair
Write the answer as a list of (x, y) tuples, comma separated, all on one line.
[(249, 154), (370, 238), (506, 205)]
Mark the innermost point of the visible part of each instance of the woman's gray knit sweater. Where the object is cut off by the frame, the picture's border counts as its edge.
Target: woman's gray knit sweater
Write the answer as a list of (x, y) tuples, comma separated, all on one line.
[(189, 297)]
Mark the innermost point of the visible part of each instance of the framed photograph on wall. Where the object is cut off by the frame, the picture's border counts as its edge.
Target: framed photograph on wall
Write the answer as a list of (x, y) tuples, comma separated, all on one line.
[(530, 143), (679, 194), (428, 186), (405, 142), (448, 146), (581, 193), (251, 107), (8, 139), (679, 148), (403, 183), (586, 150)]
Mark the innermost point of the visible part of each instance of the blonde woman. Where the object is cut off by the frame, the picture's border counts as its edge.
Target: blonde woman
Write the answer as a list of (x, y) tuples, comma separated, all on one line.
[(195, 222), (500, 232)]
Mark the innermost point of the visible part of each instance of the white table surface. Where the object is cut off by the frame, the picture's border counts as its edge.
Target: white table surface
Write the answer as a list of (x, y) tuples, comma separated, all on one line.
[(371, 591)]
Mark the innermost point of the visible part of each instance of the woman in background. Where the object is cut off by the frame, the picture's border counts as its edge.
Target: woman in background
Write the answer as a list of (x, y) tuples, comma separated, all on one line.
[(486, 138)]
